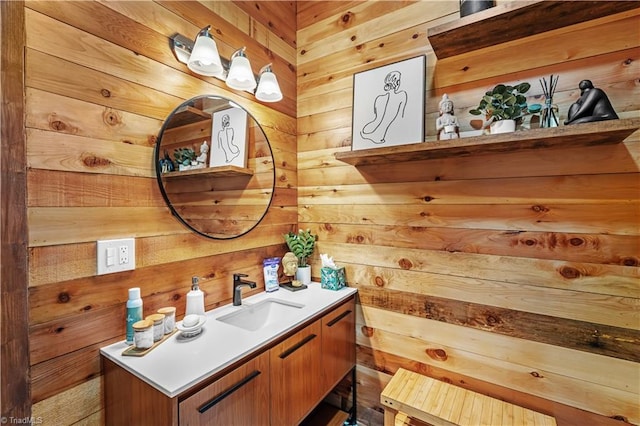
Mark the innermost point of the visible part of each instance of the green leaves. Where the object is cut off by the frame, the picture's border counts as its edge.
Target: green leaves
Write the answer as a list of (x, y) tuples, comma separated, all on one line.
[(184, 155), (503, 102), (301, 244)]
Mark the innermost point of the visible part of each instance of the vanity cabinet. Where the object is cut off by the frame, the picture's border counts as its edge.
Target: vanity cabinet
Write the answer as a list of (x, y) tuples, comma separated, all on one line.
[(338, 344), (279, 384), (295, 366), (240, 397)]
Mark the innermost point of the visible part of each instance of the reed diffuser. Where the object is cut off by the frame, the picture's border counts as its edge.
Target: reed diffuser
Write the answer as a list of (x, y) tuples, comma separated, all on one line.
[(548, 116)]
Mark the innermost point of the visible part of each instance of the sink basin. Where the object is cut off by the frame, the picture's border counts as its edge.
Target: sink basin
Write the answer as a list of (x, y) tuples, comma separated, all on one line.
[(262, 314)]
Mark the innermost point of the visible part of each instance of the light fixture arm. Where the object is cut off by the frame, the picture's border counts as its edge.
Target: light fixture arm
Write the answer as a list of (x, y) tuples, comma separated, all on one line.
[(266, 68), (239, 52)]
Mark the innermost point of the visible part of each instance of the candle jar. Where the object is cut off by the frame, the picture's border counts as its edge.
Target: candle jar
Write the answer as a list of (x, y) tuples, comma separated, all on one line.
[(158, 326), (169, 318), (143, 334), (468, 7)]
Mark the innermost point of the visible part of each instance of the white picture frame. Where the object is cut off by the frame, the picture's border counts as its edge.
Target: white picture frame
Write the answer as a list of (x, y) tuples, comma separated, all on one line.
[(389, 105), (229, 138)]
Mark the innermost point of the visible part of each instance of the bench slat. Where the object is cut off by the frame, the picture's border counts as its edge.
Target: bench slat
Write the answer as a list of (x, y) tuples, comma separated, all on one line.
[(443, 404)]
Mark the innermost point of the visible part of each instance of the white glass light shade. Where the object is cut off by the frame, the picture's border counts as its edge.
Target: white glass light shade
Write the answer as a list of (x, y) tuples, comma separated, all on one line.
[(268, 88), (205, 59), (240, 76)]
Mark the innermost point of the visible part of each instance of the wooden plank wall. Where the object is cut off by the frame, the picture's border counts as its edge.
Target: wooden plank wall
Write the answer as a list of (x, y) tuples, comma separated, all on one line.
[(100, 79), (513, 274)]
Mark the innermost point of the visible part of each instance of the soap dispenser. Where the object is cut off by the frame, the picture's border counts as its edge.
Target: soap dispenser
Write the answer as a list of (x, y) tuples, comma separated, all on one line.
[(195, 299)]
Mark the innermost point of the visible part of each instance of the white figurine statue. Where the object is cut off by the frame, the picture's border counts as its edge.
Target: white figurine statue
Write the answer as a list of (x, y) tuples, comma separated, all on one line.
[(204, 149), (447, 123)]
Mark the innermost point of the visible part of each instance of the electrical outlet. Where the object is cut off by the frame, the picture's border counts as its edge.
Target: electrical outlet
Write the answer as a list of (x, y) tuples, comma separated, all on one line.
[(116, 255), (124, 254)]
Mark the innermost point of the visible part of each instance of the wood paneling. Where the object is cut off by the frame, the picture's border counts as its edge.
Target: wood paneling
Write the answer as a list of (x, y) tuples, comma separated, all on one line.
[(537, 249), (93, 109), (15, 398), (528, 260)]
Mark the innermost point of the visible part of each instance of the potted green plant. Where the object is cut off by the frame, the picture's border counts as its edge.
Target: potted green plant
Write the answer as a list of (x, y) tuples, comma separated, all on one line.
[(184, 157), (502, 106), (301, 245)]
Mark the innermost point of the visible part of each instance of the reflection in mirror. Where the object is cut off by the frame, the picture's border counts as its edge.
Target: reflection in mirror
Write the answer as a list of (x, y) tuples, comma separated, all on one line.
[(215, 167)]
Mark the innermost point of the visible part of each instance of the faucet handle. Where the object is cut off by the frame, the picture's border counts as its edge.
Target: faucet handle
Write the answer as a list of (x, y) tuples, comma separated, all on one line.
[(237, 277)]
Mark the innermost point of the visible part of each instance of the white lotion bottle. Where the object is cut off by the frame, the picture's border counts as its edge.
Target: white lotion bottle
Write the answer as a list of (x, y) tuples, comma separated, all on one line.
[(195, 299), (134, 312)]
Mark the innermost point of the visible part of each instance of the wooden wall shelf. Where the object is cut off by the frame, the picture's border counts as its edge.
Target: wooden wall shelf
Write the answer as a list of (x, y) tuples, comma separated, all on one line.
[(515, 20), (220, 171), (576, 135)]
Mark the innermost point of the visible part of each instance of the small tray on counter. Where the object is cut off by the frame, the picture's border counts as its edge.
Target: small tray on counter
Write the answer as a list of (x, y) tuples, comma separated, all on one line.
[(133, 351), (290, 287)]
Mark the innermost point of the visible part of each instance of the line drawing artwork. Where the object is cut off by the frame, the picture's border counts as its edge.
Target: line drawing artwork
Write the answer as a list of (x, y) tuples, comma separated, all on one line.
[(386, 109), (225, 140), (229, 138), (388, 104)]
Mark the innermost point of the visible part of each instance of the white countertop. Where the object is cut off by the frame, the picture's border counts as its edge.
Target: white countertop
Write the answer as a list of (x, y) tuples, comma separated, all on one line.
[(178, 363)]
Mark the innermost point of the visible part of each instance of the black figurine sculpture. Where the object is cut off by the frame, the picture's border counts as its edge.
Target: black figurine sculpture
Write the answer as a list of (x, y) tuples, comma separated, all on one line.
[(593, 105)]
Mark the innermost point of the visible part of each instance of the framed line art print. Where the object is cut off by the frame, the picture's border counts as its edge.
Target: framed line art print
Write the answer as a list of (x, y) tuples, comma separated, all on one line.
[(229, 138), (388, 105)]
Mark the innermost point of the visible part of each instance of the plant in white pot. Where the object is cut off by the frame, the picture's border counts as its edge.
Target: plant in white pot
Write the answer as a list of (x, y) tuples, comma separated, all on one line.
[(301, 245), (502, 106)]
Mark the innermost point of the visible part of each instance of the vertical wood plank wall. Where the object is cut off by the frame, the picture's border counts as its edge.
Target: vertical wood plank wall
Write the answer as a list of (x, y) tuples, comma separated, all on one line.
[(100, 79), (514, 274)]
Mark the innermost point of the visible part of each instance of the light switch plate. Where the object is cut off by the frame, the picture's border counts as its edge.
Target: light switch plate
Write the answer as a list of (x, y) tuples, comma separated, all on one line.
[(116, 255)]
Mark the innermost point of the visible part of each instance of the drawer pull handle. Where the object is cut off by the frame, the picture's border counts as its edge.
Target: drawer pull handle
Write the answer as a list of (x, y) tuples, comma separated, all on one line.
[(297, 346), (228, 392), (338, 318)]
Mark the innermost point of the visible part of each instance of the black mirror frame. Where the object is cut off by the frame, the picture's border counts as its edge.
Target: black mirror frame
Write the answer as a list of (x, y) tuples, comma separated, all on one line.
[(174, 212)]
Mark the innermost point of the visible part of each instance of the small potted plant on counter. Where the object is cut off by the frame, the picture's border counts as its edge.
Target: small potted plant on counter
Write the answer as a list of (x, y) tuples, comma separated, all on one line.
[(301, 245), (502, 106)]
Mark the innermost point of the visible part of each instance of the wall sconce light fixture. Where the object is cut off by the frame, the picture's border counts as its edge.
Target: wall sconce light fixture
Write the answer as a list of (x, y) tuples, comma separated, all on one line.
[(202, 57), (268, 88)]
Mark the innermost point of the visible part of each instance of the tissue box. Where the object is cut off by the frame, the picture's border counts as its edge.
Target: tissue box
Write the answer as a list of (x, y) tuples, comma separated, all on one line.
[(332, 279)]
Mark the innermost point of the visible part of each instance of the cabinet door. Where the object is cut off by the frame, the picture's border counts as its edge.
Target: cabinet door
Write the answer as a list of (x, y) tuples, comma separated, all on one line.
[(239, 398), (296, 385), (338, 344)]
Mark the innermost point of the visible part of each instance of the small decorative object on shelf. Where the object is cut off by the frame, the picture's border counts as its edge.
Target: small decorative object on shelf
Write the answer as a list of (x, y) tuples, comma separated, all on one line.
[(549, 115), (502, 106), (447, 123), (468, 7), (204, 150), (184, 157), (165, 164), (593, 105), (534, 116)]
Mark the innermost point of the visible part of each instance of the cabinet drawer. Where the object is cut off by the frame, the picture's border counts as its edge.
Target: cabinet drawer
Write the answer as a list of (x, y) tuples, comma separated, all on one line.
[(239, 398)]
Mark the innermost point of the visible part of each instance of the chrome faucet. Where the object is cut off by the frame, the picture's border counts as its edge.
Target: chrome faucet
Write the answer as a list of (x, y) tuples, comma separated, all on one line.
[(238, 283)]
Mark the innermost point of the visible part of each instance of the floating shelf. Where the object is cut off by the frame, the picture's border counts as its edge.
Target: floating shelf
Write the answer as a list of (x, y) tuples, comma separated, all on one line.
[(187, 115), (576, 135), (515, 20), (220, 171)]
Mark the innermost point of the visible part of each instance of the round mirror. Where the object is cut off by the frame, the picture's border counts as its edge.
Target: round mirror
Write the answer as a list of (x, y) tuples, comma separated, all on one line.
[(215, 167)]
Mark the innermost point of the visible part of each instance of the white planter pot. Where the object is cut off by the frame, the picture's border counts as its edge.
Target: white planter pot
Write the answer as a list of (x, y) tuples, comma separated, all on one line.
[(503, 126), (303, 274)]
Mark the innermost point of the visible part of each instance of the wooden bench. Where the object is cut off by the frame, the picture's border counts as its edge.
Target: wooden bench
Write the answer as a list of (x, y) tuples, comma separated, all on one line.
[(410, 395)]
